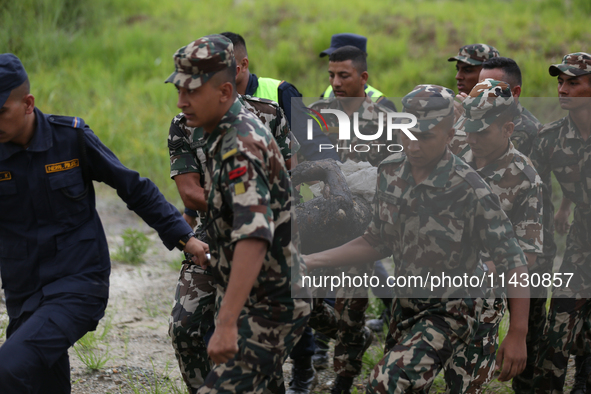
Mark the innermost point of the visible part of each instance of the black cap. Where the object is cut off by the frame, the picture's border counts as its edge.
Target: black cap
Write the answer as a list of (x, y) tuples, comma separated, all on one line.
[(343, 39), (12, 75)]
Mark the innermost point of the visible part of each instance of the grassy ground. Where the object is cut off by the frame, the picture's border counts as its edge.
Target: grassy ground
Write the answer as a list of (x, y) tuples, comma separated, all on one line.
[(106, 60)]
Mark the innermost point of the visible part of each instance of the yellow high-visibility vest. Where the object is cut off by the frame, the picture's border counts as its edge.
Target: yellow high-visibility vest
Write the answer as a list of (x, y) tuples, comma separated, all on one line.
[(369, 90)]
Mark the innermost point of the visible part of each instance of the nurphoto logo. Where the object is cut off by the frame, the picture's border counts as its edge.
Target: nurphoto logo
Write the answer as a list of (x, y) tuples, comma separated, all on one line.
[(394, 121)]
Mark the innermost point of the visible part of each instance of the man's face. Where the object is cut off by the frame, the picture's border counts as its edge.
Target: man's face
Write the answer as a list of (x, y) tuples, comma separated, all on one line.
[(12, 119), (467, 76), (426, 151), (345, 80), (491, 143), (200, 105), (570, 88)]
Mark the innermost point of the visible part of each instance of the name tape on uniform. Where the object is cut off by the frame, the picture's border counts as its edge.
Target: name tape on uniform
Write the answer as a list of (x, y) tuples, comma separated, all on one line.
[(63, 166), (5, 176)]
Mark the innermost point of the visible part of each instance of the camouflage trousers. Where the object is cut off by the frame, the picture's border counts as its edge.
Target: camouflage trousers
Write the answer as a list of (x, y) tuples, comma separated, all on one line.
[(345, 324), (473, 366), (191, 318), (568, 332), (415, 355), (568, 329), (524, 382), (263, 346)]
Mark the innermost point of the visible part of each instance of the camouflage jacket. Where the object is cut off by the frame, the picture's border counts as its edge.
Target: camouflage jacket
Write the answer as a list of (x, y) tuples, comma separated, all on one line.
[(525, 131), (248, 193), (368, 114), (514, 180), (185, 143), (559, 148), (440, 225)]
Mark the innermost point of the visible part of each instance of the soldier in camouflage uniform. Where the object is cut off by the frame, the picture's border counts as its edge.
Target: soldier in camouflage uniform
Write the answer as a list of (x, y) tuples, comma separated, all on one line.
[(346, 321), (562, 147), (249, 224), (469, 62), (513, 179), (434, 214), (526, 125), (192, 315)]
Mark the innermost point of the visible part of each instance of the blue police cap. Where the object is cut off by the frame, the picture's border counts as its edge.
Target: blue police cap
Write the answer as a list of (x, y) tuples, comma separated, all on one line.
[(340, 40), (12, 75)]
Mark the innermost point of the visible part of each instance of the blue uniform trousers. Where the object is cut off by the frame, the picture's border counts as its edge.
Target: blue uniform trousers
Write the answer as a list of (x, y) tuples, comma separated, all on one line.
[(34, 358)]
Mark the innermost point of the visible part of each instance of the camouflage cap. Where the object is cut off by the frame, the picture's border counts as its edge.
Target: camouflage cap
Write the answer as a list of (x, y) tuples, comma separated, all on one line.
[(573, 64), (475, 54), (197, 62), (485, 104), (430, 104)]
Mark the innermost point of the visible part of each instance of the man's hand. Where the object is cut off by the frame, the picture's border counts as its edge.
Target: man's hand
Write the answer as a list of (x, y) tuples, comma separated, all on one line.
[(198, 249), (223, 344), (512, 355)]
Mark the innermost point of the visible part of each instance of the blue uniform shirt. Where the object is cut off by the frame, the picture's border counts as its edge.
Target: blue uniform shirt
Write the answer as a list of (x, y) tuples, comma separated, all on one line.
[(50, 243)]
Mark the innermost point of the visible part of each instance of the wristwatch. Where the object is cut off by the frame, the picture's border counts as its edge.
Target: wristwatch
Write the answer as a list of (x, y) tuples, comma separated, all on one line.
[(184, 239)]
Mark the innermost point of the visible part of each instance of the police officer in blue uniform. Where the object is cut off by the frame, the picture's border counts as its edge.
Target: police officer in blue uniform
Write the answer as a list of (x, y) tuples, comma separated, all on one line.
[(54, 259)]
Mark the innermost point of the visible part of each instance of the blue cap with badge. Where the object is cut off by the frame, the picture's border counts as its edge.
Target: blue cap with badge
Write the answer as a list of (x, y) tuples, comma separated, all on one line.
[(12, 75)]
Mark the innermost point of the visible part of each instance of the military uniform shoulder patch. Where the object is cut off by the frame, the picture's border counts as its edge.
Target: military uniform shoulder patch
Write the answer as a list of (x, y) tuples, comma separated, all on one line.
[(229, 145), (175, 144), (69, 121)]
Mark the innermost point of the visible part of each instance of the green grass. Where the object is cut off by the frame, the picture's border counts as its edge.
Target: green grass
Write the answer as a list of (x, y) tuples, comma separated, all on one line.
[(106, 60), (134, 247), (93, 348)]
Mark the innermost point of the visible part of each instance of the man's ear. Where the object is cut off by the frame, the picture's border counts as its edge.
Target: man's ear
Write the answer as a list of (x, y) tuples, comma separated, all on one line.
[(244, 64), (508, 129), (516, 91), (450, 134), (29, 102), (364, 77), (226, 92)]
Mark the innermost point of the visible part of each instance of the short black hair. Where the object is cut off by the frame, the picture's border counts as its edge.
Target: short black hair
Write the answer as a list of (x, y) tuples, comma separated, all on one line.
[(349, 52), (237, 40), (509, 67), (226, 75)]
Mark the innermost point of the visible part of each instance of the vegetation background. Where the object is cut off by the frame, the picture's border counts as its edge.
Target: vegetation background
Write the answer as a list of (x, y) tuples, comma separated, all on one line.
[(106, 60)]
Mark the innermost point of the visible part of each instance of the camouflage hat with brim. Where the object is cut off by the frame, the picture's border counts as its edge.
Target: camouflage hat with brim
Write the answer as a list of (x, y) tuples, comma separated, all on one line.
[(475, 54), (573, 64), (430, 104), (197, 62), (487, 101)]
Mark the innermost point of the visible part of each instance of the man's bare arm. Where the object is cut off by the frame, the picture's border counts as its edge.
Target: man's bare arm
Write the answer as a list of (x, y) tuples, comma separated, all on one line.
[(191, 192), (355, 252)]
